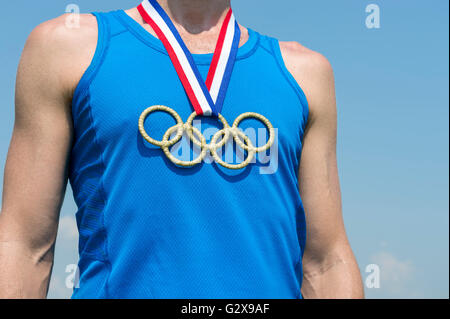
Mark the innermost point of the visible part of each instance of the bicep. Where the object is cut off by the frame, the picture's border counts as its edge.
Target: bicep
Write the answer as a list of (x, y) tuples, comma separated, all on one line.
[(35, 172), (320, 191), (318, 175)]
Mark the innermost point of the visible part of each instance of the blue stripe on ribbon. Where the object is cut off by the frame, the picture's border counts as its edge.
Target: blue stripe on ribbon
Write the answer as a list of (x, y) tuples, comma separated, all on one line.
[(188, 54), (228, 70)]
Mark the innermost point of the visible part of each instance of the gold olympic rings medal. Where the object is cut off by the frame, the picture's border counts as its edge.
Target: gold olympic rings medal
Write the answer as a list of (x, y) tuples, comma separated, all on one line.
[(198, 139)]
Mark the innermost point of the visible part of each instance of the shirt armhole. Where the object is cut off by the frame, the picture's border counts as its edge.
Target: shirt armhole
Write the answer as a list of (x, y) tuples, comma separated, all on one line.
[(291, 80), (97, 60)]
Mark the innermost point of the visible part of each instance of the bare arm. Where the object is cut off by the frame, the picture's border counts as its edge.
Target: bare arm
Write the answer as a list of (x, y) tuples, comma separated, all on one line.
[(330, 268), (36, 168)]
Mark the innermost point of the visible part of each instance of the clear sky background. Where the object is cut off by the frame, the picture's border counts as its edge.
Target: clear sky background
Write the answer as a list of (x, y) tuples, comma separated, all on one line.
[(393, 100)]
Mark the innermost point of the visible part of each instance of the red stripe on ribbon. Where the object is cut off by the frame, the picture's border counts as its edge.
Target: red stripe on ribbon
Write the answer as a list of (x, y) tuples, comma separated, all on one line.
[(217, 52), (174, 58)]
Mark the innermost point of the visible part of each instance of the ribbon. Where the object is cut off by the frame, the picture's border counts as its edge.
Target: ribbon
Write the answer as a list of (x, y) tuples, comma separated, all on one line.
[(208, 97)]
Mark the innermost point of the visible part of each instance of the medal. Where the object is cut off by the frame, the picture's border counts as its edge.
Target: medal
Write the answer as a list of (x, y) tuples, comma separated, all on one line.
[(207, 97)]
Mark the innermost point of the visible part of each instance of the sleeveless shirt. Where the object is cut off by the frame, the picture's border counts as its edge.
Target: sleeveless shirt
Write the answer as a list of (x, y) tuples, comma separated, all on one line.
[(150, 229)]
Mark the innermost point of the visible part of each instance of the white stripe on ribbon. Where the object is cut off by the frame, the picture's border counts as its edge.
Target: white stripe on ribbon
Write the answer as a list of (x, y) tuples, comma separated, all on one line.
[(223, 60), (151, 11)]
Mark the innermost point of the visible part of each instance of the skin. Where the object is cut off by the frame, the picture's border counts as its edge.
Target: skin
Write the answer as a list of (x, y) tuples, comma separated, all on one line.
[(330, 268), (54, 60)]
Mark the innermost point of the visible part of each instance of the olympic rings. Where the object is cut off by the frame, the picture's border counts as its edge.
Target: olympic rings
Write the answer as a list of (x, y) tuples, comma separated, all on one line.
[(175, 160), (245, 163), (265, 121), (225, 129), (166, 109), (198, 139)]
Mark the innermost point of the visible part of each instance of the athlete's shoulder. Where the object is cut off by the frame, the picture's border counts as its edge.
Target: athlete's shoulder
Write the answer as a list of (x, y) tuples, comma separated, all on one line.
[(63, 46), (299, 58), (66, 32), (314, 74)]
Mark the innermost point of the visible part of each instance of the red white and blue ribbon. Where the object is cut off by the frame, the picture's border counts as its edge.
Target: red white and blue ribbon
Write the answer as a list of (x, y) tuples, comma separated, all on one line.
[(208, 97)]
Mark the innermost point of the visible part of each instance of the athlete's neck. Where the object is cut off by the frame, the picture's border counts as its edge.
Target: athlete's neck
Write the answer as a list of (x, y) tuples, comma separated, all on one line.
[(196, 16)]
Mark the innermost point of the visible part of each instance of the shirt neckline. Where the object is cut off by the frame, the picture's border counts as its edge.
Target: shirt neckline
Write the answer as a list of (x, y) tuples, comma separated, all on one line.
[(244, 51)]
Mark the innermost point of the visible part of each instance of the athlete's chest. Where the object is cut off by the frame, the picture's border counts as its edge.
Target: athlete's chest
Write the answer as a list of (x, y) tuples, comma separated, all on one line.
[(120, 95), (132, 78)]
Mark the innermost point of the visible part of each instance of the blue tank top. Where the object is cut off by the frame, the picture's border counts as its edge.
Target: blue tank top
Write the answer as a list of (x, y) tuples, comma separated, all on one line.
[(150, 229)]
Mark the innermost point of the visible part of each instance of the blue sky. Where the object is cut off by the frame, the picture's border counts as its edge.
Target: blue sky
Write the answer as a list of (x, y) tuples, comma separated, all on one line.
[(393, 100)]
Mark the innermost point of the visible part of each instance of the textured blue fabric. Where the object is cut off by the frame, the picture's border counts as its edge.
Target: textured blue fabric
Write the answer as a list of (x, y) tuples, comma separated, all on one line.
[(149, 229)]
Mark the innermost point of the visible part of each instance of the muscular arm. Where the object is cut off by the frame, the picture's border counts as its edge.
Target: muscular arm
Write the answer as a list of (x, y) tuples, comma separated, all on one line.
[(36, 168), (330, 268)]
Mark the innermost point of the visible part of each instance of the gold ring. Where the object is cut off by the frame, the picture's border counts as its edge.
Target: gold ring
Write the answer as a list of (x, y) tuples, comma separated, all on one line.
[(175, 160), (265, 121), (166, 109), (209, 146)]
